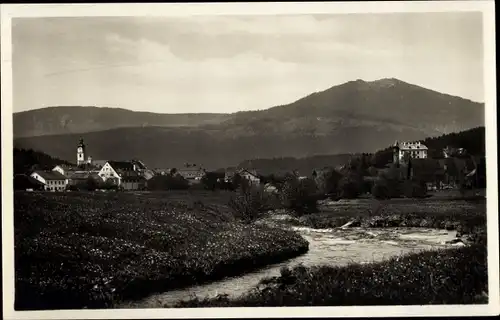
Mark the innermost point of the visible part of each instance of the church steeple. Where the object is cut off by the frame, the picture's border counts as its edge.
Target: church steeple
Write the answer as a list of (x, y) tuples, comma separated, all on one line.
[(395, 153), (80, 152)]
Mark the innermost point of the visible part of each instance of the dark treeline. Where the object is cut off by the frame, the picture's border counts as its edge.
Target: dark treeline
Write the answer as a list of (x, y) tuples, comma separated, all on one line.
[(28, 160), (472, 140)]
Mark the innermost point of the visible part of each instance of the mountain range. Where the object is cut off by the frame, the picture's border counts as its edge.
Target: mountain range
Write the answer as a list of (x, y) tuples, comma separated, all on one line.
[(357, 116)]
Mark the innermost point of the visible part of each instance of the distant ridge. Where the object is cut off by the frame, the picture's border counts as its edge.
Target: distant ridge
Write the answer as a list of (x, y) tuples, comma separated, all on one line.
[(356, 116)]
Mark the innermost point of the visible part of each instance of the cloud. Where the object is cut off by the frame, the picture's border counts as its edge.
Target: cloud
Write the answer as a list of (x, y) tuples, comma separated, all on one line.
[(229, 63)]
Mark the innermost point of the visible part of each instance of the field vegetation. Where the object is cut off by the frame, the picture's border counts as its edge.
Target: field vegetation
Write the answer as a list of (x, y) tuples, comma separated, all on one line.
[(76, 250), (453, 276)]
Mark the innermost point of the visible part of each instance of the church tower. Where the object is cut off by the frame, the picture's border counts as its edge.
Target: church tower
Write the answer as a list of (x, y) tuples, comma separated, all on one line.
[(395, 156), (80, 153)]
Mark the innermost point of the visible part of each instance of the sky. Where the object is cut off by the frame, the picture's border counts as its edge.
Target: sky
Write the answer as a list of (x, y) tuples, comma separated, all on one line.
[(226, 64)]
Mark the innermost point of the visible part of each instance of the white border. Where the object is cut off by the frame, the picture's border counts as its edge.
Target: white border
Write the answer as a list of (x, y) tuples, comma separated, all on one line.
[(29, 10)]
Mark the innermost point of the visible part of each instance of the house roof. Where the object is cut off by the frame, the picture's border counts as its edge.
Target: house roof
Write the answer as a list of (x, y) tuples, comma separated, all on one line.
[(139, 164), (121, 165), (65, 166), (190, 170), (252, 172), (412, 146), (99, 163), (50, 175)]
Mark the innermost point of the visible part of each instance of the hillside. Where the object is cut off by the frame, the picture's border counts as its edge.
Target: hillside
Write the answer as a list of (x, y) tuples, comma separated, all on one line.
[(472, 140), (357, 116), (68, 119), (383, 102), (26, 160)]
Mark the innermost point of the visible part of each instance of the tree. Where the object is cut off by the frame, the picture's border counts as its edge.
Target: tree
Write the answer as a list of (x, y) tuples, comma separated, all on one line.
[(91, 184), (391, 178), (350, 187), (212, 180), (328, 182), (249, 202), (236, 180), (299, 195), (380, 190)]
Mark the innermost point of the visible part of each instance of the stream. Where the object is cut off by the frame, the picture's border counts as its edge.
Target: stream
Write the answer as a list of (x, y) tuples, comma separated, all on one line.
[(326, 247)]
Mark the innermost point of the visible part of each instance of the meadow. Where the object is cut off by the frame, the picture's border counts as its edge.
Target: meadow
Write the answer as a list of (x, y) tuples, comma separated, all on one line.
[(94, 250)]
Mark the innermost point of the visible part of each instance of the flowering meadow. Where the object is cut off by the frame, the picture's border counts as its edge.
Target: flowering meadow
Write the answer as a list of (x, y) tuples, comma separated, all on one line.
[(452, 276), (94, 250)]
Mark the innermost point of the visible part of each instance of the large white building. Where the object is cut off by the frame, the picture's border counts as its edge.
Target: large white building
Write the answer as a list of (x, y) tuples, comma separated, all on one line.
[(414, 150), (52, 180)]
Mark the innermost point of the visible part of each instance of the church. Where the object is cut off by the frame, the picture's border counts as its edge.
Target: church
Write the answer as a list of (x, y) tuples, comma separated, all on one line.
[(126, 175)]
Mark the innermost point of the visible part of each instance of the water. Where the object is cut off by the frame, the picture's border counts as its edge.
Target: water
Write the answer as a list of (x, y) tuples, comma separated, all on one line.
[(326, 247)]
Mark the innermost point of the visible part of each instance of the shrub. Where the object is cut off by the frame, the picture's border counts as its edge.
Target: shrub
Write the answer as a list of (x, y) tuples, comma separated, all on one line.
[(299, 195), (167, 182), (415, 189), (328, 182), (350, 187), (380, 190), (249, 203)]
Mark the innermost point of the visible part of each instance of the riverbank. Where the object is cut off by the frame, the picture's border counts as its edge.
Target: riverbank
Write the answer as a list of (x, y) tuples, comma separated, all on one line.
[(328, 247), (467, 217), (95, 250), (451, 276)]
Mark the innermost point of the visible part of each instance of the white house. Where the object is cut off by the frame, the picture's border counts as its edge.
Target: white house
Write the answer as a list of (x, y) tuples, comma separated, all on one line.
[(415, 150), (52, 180), (250, 175), (64, 169), (122, 173)]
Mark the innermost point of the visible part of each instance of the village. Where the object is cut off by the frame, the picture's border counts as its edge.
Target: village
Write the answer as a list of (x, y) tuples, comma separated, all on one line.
[(410, 160)]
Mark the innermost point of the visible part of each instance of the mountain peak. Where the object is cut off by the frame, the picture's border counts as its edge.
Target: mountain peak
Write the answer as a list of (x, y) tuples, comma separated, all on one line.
[(386, 82)]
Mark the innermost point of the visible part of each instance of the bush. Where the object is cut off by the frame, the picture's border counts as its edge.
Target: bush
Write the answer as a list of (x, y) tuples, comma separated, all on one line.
[(249, 203), (414, 189), (299, 195), (380, 190), (350, 187), (328, 182), (167, 182)]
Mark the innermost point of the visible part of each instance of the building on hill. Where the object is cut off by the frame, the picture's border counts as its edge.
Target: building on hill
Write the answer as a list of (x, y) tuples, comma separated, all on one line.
[(52, 180), (406, 150)]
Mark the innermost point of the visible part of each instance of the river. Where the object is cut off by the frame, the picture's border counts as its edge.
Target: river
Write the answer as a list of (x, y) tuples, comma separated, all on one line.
[(326, 247)]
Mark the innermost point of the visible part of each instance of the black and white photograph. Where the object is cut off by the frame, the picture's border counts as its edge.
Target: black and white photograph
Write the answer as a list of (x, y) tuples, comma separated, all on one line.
[(194, 160)]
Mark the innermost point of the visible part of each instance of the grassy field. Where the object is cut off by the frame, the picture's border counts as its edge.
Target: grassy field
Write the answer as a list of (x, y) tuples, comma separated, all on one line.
[(453, 276), (76, 250)]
